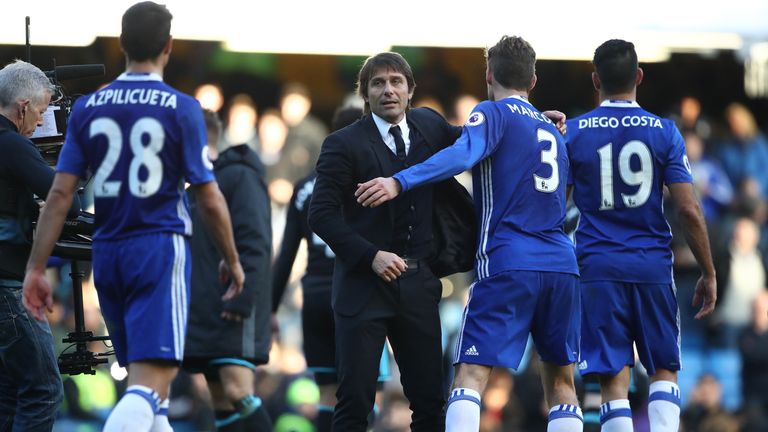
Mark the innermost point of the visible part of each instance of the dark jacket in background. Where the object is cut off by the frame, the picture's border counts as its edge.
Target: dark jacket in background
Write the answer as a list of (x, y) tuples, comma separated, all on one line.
[(240, 175)]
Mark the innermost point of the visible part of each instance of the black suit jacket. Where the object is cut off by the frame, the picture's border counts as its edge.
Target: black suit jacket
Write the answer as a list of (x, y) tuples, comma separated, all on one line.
[(350, 156)]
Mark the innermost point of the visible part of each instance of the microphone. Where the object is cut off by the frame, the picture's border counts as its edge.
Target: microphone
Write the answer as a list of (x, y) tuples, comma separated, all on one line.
[(68, 72)]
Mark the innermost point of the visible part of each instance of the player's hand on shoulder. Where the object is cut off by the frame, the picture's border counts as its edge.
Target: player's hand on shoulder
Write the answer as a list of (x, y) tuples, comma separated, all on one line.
[(37, 295), (706, 295), (235, 275), (375, 192), (388, 266), (558, 118)]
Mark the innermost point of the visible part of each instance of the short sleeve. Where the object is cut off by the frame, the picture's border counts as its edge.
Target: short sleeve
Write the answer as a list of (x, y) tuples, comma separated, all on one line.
[(677, 168), (198, 168)]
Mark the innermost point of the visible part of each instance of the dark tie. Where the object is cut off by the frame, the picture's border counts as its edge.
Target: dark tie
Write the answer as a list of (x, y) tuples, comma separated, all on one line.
[(399, 143)]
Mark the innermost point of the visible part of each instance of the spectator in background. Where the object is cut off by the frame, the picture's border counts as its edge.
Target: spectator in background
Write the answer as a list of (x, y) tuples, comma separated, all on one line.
[(704, 403), (304, 137), (272, 134), (709, 180), (462, 107), (753, 345), (746, 280), (690, 119), (241, 122), (429, 101), (745, 154)]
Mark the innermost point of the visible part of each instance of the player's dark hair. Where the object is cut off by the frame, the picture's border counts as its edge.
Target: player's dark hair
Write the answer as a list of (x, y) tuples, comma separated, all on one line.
[(387, 61), (616, 64), (513, 62), (345, 116), (146, 30)]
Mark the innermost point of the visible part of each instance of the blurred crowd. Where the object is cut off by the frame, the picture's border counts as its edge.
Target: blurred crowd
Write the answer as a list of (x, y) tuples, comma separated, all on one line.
[(725, 356)]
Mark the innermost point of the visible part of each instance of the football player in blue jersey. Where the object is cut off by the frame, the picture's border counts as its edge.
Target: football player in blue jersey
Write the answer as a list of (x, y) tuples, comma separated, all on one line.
[(526, 279), (621, 158), (142, 139)]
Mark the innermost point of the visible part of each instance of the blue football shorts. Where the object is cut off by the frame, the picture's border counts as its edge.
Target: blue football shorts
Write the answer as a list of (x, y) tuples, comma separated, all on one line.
[(617, 314), (143, 288), (505, 308)]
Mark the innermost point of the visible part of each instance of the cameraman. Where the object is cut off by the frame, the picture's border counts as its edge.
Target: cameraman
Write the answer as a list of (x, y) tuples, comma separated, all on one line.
[(31, 386)]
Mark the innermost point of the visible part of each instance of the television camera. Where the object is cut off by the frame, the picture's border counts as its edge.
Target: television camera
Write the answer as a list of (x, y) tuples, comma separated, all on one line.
[(75, 244), (50, 136)]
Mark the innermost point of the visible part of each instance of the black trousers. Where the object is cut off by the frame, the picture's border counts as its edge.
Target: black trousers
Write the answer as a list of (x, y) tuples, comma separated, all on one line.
[(405, 311)]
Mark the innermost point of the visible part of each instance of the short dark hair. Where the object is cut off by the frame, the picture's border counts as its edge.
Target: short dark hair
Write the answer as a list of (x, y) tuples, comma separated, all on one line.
[(345, 116), (386, 60), (615, 62), (513, 62), (146, 30)]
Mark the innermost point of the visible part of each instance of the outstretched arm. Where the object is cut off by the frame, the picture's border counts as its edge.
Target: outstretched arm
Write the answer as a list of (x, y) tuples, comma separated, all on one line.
[(695, 229), (37, 294)]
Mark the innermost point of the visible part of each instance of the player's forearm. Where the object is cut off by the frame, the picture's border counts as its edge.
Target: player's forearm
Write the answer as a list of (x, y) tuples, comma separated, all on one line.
[(215, 214), (446, 163), (696, 236)]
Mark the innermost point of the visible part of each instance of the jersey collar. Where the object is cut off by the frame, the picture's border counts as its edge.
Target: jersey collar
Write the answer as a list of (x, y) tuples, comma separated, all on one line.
[(520, 98), (619, 103), (134, 76)]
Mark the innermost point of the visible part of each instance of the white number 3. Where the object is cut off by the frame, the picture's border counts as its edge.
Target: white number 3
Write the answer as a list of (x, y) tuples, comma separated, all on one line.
[(143, 156), (548, 157)]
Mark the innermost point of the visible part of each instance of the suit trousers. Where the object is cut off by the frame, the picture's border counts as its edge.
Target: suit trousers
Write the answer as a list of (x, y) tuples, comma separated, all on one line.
[(406, 312)]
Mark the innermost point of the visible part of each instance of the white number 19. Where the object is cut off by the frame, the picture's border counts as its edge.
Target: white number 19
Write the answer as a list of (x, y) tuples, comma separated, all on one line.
[(642, 177)]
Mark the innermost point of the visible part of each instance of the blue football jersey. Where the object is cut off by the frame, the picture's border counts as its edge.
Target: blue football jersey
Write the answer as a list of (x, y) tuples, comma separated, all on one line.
[(140, 139), (621, 157), (518, 186)]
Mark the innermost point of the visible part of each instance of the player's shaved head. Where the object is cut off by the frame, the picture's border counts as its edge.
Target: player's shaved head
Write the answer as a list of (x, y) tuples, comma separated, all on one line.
[(616, 64), (513, 62)]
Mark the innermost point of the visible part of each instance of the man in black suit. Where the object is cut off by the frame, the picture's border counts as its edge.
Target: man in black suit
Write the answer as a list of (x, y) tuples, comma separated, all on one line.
[(382, 286)]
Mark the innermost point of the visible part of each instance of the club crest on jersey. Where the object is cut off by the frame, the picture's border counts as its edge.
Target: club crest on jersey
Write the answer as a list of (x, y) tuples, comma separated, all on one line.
[(475, 118)]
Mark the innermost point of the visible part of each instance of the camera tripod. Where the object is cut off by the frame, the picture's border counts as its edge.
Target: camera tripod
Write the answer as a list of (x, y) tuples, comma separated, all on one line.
[(76, 246)]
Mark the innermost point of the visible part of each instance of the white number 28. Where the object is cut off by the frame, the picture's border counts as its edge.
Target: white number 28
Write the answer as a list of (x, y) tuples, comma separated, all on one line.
[(146, 156)]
